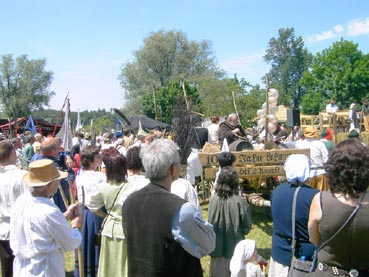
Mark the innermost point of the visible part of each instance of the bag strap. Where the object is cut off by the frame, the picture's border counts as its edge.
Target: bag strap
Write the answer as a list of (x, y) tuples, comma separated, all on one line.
[(293, 244), (111, 207), (344, 224)]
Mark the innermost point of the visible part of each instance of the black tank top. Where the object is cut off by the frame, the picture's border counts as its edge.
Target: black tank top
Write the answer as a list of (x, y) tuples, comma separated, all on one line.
[(350, 248)]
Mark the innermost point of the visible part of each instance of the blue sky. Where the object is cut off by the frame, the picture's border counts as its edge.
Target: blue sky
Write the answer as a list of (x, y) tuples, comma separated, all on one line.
[(86, 43)]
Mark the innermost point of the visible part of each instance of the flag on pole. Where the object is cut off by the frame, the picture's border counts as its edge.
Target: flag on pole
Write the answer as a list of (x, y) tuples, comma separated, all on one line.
[(78, 124), (119, 124), (30, 125), (65, 131)]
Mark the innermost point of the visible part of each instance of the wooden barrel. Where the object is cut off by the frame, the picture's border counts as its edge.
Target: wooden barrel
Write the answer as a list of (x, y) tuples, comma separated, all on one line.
[(240, 145)]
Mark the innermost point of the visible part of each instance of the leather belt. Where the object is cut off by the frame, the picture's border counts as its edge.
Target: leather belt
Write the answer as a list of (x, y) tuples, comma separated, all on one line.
[(342, 272)]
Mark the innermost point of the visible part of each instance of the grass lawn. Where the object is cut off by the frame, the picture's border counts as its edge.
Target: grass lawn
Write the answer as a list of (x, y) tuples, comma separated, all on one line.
[(261, 232)]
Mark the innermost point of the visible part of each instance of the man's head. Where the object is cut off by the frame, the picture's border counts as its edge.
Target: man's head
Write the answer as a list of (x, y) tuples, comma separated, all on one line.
[(50, 147), (331, 101), (233, 119), (29, 138), (161, 160), (7, 153), (226, 159), (43, 177)]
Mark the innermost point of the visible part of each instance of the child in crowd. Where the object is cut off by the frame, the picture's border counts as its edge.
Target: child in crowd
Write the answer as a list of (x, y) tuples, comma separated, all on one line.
[(243, 262)]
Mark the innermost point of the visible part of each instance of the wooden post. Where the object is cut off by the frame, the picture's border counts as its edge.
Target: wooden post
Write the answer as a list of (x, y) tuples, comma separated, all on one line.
[(154, 100), (334, 124)]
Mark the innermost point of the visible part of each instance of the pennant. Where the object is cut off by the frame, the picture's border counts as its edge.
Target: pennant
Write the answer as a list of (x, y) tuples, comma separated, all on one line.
[(30, 125), (119, 124), (78, 124), (65, 131)]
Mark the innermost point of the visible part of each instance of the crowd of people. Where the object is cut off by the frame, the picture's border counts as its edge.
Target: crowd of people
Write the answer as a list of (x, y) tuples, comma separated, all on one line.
[(120, 203)]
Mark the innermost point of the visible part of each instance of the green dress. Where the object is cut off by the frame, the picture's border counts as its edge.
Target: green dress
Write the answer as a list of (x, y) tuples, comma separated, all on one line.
[(113, 251)]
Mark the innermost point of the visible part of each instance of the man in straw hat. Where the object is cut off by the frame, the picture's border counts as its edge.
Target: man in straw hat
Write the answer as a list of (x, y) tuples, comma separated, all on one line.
[(39, 232), (318, 156)]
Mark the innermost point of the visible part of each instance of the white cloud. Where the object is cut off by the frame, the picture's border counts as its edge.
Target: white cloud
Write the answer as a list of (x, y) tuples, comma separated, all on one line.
[(251, 67), (355, 27)]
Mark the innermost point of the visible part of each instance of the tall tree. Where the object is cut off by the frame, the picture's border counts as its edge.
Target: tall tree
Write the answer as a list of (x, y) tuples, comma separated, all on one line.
[(167, 98), (24, 85), (166, 57), (340, 72), (289, 59)]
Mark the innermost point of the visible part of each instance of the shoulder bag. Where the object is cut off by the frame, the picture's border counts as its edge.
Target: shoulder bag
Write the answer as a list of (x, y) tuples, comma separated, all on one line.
[(298, 267)]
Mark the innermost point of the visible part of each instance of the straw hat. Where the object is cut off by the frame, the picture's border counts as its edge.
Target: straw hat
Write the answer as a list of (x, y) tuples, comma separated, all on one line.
[(42, 172), (310, 132)]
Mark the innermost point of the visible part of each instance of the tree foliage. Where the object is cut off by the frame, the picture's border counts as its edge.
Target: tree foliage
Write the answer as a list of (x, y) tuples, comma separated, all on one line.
[(289, 59), (166, 57), (24, 85), (340, 72), (167, 98)]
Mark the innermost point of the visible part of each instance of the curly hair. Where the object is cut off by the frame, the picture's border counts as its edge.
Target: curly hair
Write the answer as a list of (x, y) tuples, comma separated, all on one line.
[(226, 159), (348, 168), (227, 182)]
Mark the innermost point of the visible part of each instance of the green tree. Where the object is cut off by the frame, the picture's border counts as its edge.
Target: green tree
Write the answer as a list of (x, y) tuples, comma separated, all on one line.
[(289, 59), (340, 72), (24, 85), (166, 57), (166, 98)]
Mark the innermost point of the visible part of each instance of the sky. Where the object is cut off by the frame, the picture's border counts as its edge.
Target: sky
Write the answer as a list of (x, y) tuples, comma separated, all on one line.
[(86, 43)]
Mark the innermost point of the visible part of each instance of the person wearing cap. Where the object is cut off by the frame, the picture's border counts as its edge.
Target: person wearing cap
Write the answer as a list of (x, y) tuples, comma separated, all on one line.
[(318, 156), (297, 168), (39, 231), (326, 137), (354, 135), (243, 260), (11, 187)]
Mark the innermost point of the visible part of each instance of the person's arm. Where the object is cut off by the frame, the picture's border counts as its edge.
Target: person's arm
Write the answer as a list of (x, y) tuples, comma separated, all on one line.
[(57, 225), (195, 235), (314, 219)]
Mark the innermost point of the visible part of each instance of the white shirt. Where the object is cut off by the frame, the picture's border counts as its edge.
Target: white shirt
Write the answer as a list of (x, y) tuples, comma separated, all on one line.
[(331, 108), (88, 179), (134, 183), (318, 155), (184, 189), (39, 236), (213, 133), (11, 187), (194, 167)]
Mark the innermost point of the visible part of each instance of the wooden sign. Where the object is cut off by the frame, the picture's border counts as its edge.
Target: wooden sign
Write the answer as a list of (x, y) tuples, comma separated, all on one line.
[(277, 170), (244, 158)]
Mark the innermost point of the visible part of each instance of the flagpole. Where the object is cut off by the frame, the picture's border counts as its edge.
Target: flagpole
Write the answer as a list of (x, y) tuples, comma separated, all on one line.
[(60, 114)]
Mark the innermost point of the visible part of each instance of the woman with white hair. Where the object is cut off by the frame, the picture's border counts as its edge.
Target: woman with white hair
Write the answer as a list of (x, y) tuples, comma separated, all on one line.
[(297, 168)]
